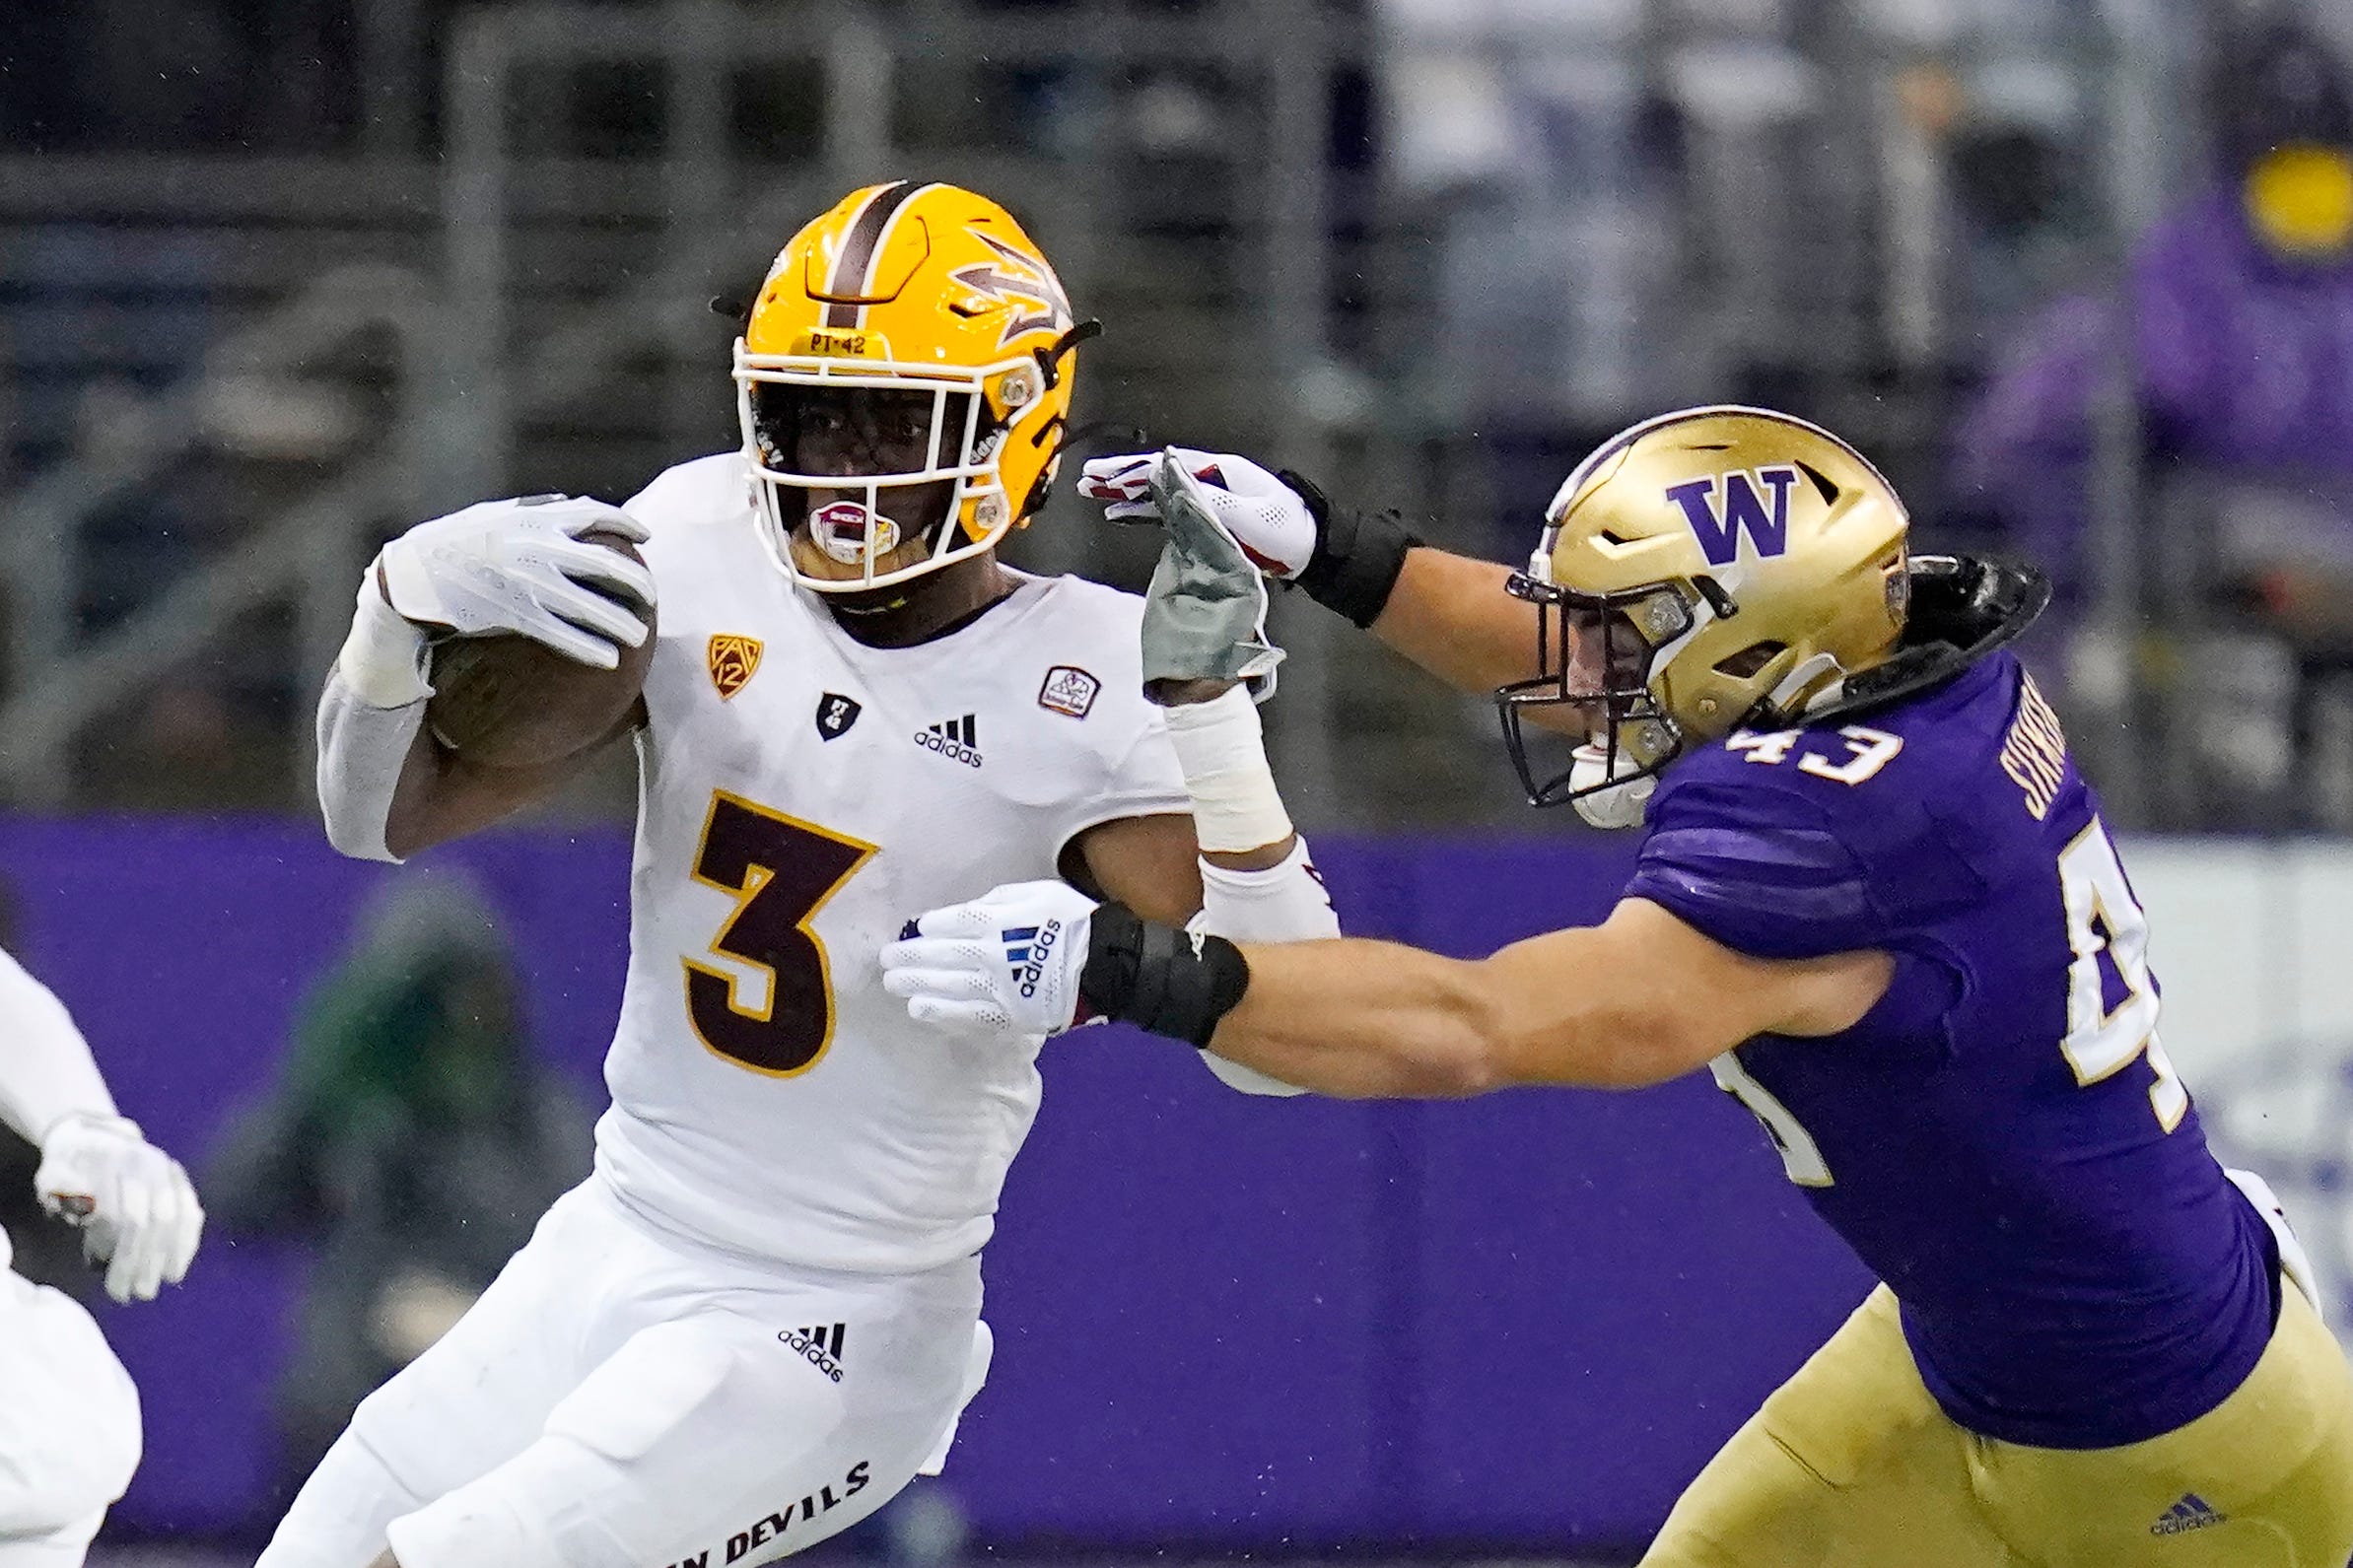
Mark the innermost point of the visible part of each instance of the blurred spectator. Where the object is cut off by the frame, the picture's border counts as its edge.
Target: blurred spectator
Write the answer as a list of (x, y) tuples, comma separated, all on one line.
[(2233, 342), (411, 1138), (1609, 188)]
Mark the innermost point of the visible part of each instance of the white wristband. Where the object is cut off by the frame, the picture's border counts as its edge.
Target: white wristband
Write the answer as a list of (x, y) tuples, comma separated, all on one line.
[(384, 659), (1221, 752)]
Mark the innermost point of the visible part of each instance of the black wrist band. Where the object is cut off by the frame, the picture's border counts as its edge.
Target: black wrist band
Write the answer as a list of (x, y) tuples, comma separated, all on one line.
[(1158, 978), (1357, 555)]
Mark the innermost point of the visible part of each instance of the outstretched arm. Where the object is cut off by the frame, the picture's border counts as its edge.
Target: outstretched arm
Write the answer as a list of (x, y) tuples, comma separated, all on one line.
[(48, 1073), (1449, 614), (1445, 612), (1204, 656), (1638, 999)]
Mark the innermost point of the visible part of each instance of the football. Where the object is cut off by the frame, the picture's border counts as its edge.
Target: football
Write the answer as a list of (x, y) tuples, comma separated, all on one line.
[(509, 702)]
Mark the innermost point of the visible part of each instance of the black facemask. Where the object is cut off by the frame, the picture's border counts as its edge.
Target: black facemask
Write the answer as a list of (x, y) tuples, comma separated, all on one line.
[(1594, 681)]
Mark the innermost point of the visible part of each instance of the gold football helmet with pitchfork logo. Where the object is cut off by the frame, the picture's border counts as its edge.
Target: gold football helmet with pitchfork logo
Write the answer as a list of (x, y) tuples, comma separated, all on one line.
[(904, 386)]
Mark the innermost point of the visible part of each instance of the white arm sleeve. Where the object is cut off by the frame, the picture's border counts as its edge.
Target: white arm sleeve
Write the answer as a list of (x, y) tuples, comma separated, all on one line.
[(45, 1068), (1285, 902), (1222, 755), (368, 718)]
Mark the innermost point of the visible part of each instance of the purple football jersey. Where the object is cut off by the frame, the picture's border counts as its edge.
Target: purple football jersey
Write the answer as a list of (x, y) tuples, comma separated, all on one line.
[(2001, 1138)]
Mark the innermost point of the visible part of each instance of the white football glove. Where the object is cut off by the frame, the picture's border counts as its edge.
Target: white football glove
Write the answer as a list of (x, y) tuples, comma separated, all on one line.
[(1265, 517), (519, 566), (136, 1210), (1003, 967)]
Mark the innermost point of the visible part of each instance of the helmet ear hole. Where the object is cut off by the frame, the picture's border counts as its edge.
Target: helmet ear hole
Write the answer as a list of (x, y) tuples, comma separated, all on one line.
[(1748, 660)]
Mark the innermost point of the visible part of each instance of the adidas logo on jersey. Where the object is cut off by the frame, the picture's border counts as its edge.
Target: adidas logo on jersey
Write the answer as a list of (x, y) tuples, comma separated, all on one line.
[(2192, 1512), (955, 738), (1025, 948), (820, 1346)]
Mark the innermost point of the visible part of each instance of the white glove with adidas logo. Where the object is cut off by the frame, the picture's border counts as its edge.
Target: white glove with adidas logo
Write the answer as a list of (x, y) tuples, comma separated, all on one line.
[(1003, 967)]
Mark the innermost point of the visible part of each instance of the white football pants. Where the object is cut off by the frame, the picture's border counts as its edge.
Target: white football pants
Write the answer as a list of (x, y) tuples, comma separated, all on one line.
[(69, 1425), (621, 1398)]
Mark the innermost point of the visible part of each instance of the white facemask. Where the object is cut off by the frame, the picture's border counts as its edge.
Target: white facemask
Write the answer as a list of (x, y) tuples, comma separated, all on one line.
[(1620, 805)]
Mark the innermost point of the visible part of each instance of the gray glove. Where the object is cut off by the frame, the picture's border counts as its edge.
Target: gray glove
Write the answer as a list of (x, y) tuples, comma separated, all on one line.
[(1205, 614)]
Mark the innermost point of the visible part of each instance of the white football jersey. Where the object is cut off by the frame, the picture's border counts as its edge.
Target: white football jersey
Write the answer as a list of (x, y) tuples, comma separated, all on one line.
[(801, 797)]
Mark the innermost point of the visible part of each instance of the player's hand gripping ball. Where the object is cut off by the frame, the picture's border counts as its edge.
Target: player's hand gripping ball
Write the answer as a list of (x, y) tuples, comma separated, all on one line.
[(548, 616), (1003, 967), (133, 1203)]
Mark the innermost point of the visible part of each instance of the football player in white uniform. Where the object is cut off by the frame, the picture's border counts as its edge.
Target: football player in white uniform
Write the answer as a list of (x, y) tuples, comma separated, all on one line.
[(761, 1316), (69, 1417)]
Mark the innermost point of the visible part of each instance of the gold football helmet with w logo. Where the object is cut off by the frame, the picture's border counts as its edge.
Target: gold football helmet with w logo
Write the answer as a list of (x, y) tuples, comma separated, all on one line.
[(903, 382), (1719, 567)]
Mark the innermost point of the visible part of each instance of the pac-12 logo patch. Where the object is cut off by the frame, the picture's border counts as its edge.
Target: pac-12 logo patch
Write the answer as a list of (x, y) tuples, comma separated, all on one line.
[(835, 715), (1068, 689), (1765, 522), (733, 660)]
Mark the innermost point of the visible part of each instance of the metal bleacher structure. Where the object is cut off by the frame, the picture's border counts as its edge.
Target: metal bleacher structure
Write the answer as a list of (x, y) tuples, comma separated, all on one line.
[(226, 378)]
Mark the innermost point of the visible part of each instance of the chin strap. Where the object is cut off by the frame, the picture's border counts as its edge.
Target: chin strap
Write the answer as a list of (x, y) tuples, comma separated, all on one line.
[(1050, 360), (1803, 687)]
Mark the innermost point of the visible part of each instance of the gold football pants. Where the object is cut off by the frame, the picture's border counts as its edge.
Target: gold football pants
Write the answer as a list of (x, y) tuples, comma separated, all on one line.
[(1853, 1464)]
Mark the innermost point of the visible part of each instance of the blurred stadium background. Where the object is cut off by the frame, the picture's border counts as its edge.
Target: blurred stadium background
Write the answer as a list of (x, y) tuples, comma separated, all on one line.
[(279, 277)]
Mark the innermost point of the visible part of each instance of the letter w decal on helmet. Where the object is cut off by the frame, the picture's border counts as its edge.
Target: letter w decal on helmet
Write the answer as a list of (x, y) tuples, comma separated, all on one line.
[(1719, 532)]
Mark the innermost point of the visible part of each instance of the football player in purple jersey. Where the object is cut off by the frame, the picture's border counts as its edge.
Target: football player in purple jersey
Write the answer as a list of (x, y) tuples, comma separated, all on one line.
[(1876, 898)]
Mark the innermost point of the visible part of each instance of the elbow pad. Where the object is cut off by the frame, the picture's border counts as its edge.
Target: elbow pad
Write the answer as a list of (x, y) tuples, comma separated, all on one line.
[(1284, 903)]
